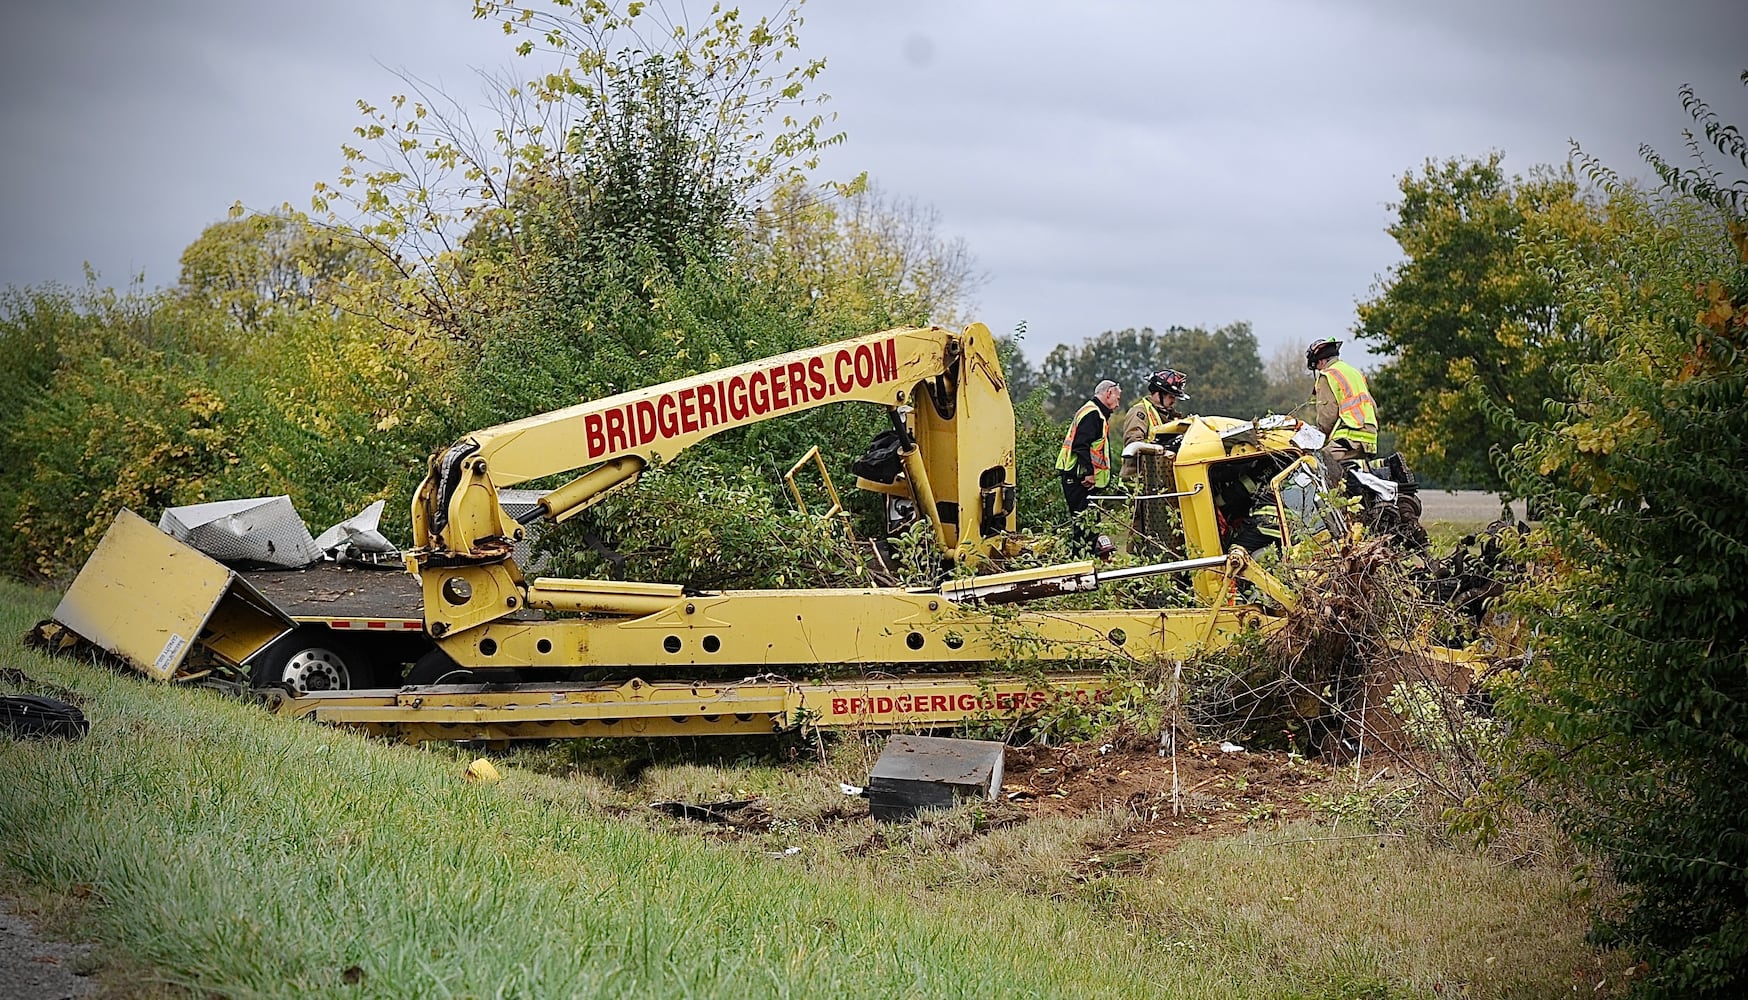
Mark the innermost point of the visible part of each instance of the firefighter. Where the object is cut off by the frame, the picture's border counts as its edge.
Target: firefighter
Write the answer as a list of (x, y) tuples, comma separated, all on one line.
[(1151, 420), (1345, 412), (1084, 463), (1150, 414)]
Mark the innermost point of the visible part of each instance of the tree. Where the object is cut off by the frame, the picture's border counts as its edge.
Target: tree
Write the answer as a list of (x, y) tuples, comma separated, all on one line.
[(1466, 319), (637, 124), (253, 265), (1287, 385), (1224, 368), (1631, 718), (860, 260)]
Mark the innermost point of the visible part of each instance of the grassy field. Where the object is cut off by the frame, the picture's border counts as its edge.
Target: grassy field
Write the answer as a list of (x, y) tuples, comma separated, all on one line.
[(211, 848)]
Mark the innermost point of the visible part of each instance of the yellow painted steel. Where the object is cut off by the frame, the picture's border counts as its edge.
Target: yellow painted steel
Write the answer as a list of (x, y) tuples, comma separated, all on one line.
[(149, 599), (825, 477), (947, 384), (639, 708), (783, 629), (612, 597)]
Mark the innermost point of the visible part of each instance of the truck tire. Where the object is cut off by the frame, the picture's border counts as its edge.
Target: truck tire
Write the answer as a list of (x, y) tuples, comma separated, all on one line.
[(310, 658), (436, 667)]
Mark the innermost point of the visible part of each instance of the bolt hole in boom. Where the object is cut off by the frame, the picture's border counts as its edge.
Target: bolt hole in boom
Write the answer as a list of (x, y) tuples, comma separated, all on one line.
[(1118, 637), (672, 644), (914, 640), (712, 644)]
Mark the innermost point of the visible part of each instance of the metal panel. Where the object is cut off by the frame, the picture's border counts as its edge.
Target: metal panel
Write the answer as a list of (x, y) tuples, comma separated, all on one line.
[(264, 530), (148, 599)]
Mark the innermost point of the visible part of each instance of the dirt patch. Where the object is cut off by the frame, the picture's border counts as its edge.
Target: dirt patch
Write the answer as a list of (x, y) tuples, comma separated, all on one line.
[(1211, 792)]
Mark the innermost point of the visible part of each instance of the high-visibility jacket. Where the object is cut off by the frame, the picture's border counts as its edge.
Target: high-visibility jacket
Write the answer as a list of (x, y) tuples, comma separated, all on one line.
[(1099, 450), (1357, 415), (1143, 424)]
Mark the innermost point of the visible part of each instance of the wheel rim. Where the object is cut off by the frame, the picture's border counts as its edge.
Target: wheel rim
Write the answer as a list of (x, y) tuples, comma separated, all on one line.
[(316, 669)]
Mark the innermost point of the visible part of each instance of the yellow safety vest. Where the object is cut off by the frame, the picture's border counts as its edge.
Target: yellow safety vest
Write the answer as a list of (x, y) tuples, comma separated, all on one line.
[(1101, 461), (1154, 420), (1358, 420)]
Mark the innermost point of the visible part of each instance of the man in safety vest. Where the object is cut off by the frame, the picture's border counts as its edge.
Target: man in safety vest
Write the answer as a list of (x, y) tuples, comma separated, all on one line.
[(1084, 463), (1153, 420), (1152, 415), (1345, 412)]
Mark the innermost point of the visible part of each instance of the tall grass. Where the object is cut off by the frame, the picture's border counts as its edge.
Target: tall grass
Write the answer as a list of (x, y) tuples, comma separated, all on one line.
[(243, 855)]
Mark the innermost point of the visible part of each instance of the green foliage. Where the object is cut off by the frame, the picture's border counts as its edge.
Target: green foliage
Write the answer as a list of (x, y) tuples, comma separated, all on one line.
[(1224, 367), (1632, 718), (234, 383), (860, 261), (1467, 319), (632, 124), (603, 238), (707, 533), (252, 268), (114, 412)]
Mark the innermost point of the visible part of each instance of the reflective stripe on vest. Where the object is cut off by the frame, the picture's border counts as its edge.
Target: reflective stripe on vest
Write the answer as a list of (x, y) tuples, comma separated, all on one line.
[(1154, 420), (1101, 462), (1353, 399)]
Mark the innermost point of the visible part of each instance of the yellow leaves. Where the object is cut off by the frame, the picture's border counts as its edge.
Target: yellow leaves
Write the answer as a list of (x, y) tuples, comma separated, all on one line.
[(1717, 310)]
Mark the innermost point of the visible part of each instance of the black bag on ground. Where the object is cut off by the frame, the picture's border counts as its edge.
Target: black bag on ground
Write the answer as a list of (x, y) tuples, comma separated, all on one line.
[(32, 717), (880, 463)]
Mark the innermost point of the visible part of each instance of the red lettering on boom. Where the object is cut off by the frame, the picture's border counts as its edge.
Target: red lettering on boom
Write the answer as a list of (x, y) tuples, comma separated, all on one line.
[(886, 360), (737, 398), (689, 410), (758, 387), (707, 406), (616, 430), (779, 390), (667, 420), (593, 436), (646, 421), (816, 378)]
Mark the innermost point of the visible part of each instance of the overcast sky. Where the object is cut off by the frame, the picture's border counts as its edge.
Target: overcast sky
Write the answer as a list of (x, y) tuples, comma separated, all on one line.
[(1110, 163)]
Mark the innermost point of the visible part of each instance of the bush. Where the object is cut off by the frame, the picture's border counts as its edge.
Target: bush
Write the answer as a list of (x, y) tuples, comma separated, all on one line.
[(1632, 717)]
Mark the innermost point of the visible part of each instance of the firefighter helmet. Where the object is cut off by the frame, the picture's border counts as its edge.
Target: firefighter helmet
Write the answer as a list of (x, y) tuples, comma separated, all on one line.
[(1325, 347), (1168, 381)]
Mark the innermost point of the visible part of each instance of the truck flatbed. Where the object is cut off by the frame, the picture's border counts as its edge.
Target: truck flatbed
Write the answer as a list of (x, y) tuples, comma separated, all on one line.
[(342, 596)]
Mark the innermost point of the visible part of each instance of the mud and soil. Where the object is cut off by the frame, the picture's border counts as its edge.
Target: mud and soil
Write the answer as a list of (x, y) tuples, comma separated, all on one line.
[(1201, 790)]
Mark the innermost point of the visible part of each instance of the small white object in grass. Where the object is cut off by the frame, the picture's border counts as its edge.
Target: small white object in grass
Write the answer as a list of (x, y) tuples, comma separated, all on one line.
[(1230, 747), (850, 789)]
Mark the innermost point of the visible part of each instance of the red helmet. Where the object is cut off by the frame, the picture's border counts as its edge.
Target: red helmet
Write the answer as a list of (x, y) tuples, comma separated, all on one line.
[(1320, 349), (1168, 381)]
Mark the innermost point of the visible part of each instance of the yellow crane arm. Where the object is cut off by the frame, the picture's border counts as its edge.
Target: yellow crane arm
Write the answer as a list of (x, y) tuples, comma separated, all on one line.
[(958, 462)]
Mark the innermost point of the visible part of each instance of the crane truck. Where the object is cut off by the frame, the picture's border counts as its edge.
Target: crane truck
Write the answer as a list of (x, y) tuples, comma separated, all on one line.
[(494, 649)]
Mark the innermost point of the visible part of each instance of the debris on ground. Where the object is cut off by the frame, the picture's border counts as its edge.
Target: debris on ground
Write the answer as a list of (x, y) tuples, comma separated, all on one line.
[(1203, 790), (926, 772), (742, 814)]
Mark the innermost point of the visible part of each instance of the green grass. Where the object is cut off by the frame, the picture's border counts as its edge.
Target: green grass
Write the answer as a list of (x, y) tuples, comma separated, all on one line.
[(241, 855)]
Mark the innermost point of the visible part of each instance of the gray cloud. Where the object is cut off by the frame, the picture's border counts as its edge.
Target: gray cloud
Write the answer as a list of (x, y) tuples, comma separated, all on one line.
[(1111, 164)]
